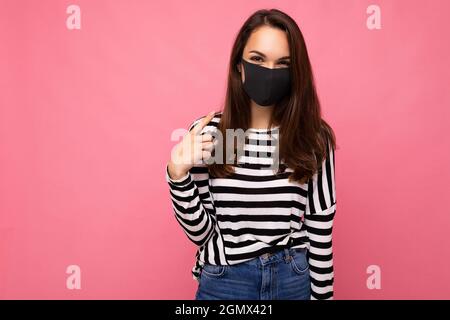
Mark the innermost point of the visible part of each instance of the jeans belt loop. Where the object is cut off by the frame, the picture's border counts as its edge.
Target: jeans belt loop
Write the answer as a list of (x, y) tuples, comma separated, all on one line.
[(288, 256)]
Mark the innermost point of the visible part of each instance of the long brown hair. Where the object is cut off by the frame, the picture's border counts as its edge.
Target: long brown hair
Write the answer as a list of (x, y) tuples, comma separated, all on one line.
[(304, 135)]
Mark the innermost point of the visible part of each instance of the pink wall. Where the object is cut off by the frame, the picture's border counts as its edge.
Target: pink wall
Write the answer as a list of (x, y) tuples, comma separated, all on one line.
[(86, 117)]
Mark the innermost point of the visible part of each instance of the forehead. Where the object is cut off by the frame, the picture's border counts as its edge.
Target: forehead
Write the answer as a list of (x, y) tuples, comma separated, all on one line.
[(271, 41)]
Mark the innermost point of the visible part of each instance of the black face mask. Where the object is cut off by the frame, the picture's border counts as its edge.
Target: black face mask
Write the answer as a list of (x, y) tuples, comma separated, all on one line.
[(266, 86)]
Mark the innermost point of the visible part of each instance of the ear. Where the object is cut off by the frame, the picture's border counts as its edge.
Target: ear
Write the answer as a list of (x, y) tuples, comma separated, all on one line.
[(238, 67)]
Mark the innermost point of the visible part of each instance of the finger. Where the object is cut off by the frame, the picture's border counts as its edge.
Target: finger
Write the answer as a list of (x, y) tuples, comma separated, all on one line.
[(209, 146), (199, 126), (206, 155), (204, 137)]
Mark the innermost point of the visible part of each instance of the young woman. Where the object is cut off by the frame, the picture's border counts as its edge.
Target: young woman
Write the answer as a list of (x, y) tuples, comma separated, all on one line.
[(261, 233)]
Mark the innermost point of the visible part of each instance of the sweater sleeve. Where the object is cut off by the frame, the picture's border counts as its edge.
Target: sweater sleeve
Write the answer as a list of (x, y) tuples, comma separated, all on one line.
[(319, 215), (191, 202)]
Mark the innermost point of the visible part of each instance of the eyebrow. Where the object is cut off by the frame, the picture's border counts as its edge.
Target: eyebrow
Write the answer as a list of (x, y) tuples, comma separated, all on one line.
[(262, 54)]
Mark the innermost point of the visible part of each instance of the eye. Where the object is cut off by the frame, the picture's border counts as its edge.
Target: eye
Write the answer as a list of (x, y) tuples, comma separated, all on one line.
[(255, 58), (286, 63)]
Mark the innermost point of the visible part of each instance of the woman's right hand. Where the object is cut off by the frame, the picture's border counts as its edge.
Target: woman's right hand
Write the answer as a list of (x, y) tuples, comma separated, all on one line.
[(191, 149)]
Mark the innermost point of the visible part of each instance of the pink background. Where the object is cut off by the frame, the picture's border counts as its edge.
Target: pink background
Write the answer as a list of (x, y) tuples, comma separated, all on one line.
[(86, 117)]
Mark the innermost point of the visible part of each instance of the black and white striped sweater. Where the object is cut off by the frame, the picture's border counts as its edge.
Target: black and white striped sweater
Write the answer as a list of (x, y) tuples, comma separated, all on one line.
[(254, 211)]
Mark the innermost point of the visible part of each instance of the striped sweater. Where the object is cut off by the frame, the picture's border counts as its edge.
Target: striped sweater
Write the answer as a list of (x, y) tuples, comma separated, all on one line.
[(255, 211)]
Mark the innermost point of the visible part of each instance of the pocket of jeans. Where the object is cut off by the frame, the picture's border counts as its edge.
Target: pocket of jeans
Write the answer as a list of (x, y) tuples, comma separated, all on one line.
[(213, 270), (299, 262)]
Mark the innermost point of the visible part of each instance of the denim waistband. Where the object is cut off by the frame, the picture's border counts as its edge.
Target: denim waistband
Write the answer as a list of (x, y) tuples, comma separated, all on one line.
[(284, 254)]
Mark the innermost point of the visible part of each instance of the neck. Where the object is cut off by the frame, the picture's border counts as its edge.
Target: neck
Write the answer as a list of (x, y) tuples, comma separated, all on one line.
[(260, 115)]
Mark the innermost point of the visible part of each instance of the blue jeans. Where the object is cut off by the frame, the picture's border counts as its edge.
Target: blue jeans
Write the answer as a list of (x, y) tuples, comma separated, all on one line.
[(281, 275)]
